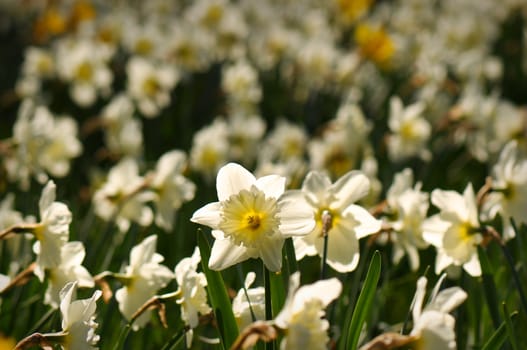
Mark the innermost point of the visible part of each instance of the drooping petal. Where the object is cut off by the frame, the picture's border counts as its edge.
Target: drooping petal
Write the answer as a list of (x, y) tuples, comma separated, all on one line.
[(231, 179), (473, 267), (271, 254), (325, 290), (225, 254), (342, 251), (209, 215), (442, 261), (305, 245), (367, 224)]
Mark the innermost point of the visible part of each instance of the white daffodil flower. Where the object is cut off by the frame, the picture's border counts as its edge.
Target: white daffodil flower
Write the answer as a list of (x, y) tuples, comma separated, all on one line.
[(78, 319), (123, 132), (122, 196), (69, 270), (410, 130), (454, 231), (210, 148), (143, 278), (407, 206), (84, 65), (171, 188), (52, 232), (45, 144), (249, 304), (302, 314), (433, 325), (346, 222), (149, 84), (509, 182), (192, 295), (252, 218)]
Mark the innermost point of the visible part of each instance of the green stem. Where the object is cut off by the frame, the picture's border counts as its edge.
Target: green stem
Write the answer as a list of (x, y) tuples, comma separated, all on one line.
[(324, 257), (327, 222), (268, 303), (175, 340), (516, 278), (292, 264), (122, 336)]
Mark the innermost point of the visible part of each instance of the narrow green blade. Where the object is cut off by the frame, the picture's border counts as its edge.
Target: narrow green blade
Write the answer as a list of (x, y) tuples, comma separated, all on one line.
[(221, 304), (364, 302), (499, 337)]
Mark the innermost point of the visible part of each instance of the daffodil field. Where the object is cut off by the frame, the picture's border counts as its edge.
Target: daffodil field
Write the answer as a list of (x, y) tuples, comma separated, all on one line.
[(239, 174)]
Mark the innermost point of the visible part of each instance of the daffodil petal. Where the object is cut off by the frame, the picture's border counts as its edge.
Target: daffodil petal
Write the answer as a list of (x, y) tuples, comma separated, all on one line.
[(367, 224), (209, 215), (231, 179), (343, 250), (350, 188), (225, 254), (271, 185)]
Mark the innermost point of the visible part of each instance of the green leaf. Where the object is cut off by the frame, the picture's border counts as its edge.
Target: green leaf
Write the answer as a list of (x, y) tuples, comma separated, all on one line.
[(510, 327), (364, 303), (277, 292), (489, 287), (219, 299), (292, 264), (497, 339), (173, 342)]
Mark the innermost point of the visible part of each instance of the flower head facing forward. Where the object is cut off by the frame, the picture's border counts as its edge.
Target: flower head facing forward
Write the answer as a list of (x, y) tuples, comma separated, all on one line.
[(302, 314), (454, 231), (335, 212), (252, 218)]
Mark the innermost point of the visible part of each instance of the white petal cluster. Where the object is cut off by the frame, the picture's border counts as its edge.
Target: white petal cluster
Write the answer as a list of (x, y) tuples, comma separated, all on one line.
[(44, 144), (433, 325), (409, 130), (509, 181), (192, 294), (347, 221), (84, 65), (123, 132), (144, 277), (70, 269), (249, 303), (171, 189), (120, 196), (149, 84), (252, 218), (454, 231), (78, 319), (52, 231), (303, 312), (407, 210)]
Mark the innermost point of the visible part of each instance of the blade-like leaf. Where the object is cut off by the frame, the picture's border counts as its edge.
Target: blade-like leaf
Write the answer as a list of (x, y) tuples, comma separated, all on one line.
[(510, 327), (489, 287), (499, 337), (364, 303), (218, 296)]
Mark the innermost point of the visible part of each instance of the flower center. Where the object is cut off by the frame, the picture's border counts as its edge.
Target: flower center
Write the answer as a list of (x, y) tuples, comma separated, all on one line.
[(326, 219), (248, 217)]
